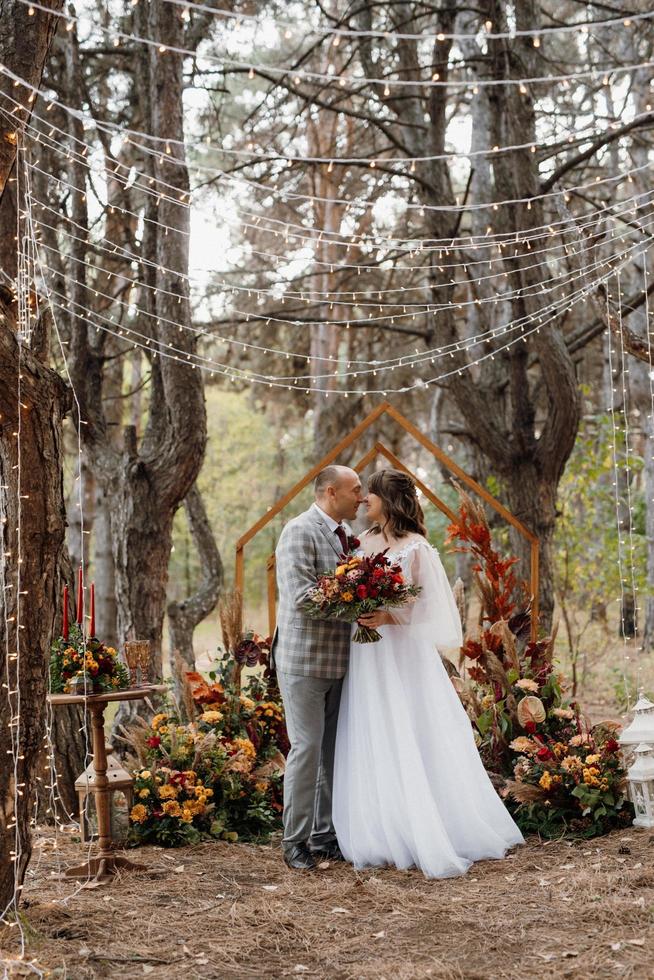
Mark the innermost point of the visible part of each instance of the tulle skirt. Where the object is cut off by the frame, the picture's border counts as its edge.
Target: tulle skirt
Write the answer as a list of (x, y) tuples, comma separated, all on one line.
[(410, 789)]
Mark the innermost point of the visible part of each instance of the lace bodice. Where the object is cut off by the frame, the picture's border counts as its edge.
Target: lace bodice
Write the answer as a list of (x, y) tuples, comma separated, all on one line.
[(401, 554)]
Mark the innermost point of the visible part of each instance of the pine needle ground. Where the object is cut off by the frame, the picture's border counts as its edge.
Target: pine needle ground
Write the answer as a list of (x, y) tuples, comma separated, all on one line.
[(231, 911)]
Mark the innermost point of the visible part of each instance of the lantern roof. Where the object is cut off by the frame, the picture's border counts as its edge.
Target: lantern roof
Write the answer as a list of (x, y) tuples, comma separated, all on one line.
[(641, 728), (643, 767)]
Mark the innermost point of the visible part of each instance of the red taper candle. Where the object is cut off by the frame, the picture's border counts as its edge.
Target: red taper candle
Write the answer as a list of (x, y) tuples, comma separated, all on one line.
[(92, 609), (64, 627), (80, 596)]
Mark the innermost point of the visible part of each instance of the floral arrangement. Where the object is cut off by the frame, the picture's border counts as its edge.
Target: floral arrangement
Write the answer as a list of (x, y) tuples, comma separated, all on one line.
[(359, 585), (556, 775), (575, 782), (220, 773), (90, 665)]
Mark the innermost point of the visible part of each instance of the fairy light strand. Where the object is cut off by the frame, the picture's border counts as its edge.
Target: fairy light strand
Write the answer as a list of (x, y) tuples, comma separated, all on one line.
[(302, 74)]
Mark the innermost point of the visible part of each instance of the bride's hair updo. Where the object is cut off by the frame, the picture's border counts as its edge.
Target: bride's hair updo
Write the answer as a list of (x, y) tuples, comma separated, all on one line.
[(402, 510)]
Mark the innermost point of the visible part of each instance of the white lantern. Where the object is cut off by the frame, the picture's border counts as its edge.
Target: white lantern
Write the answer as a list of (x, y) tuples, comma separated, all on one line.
[(642, 727), (641, 785)]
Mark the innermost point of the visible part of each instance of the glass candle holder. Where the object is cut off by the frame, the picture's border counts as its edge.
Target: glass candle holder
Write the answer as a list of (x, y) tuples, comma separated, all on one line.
[(144, 659), (132, 658)]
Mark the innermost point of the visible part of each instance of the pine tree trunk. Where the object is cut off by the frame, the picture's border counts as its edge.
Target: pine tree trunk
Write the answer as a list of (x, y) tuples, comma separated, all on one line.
[(31, 566), (32, 516)]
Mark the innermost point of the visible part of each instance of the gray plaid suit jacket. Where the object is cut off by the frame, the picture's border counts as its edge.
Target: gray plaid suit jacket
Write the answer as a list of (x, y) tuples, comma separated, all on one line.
[(310, 647)]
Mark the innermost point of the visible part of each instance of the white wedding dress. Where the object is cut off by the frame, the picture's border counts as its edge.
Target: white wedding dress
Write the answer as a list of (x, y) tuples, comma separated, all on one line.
[(410, 789)]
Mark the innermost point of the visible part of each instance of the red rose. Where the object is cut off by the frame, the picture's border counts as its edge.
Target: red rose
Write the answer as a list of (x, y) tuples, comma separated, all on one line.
[(154, 742), (611, 745), (544, 754), (362, 591), (397, 578), (378, 573), (530, 727), (374, 593)]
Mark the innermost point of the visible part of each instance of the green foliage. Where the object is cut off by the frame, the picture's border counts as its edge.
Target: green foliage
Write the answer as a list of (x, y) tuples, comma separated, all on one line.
[(587, 535), (253, 457)]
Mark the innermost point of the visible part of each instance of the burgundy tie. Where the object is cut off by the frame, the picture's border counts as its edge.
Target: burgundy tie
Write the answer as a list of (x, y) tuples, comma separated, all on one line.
[(342, 537)]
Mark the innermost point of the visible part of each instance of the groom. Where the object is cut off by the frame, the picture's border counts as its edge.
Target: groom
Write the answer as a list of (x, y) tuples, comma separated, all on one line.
[(311, 657)]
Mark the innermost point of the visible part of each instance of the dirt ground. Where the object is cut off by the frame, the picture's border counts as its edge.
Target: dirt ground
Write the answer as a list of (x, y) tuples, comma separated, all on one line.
[(582, 910)]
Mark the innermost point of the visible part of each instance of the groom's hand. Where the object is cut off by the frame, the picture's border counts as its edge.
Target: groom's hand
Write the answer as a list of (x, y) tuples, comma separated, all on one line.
[(374, 619)]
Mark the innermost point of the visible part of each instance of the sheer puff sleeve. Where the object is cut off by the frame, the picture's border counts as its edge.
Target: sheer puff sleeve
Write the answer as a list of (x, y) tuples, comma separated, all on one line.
[(434, 609)]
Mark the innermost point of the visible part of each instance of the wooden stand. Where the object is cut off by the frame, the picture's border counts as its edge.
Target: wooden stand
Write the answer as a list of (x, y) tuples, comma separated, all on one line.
[(106, 863)]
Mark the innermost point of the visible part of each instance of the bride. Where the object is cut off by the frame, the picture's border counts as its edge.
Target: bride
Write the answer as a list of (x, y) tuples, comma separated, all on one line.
[(409, 786)]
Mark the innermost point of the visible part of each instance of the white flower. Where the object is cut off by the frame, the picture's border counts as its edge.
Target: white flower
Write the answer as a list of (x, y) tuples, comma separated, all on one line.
[(526, 684)]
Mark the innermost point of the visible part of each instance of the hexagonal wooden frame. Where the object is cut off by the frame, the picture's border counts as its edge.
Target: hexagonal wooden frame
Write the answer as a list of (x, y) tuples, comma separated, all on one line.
[(380, 450)]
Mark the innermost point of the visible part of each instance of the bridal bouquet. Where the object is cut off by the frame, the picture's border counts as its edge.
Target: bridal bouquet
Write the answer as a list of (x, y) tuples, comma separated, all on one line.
[(360, 585)]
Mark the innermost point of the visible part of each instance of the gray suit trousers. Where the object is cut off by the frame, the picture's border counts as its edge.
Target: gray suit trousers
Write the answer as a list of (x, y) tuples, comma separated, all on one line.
[(311, 705)]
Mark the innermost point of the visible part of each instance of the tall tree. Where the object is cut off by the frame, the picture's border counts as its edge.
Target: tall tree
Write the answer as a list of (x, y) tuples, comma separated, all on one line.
[(33, 401), (146, 480)]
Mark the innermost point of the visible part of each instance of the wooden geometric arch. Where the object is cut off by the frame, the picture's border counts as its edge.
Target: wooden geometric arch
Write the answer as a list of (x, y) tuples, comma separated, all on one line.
[(380, 450)]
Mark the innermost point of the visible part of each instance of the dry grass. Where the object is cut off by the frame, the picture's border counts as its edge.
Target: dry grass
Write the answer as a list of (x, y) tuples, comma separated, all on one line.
[(234, 911)]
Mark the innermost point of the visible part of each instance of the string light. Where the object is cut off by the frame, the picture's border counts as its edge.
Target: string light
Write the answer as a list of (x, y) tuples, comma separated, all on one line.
[(126, 134), (372, 240), (230, 178), (627, 467), (156, 347), (545, 284), (616, 486), (56, 802), (322, 77), (539, 288), (337, 33)]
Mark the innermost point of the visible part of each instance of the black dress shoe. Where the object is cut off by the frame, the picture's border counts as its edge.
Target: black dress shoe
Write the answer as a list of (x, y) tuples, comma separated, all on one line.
[(329, 852), (299, 857)]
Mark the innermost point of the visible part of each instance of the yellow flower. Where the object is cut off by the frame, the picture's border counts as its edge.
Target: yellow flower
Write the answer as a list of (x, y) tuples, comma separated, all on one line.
[(138, 813), (245, 745), (194, 807), (261, 787), (168, 792), (111, 651), (144, 793), (571, 762), (592, 759), (163, 729), (545, 781), (145, 774), (247, 703), (190, 775), (158, 720), (202, 791), (604, 785), (172, 808), (590, 776), (187, 816), (211, 717), (347, 597), (526, 684), (341, 570)]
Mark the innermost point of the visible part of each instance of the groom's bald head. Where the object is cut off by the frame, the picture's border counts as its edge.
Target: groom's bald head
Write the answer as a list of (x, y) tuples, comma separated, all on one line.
[(338, 491), (331, 476)]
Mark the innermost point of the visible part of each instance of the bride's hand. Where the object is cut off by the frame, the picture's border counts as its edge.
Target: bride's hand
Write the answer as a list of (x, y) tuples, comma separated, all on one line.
[(374, 619)]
